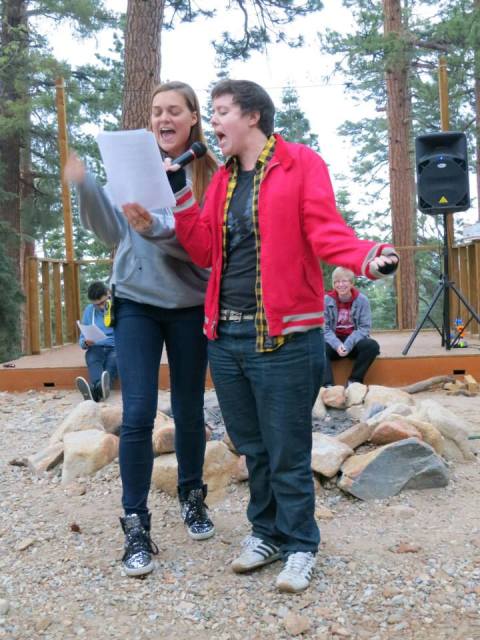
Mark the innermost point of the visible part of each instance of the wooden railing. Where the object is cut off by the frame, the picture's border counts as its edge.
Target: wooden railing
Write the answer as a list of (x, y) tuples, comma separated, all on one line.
[(53, 293)]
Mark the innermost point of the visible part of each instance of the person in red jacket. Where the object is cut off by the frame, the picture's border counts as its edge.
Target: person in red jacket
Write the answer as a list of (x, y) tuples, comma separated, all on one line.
[(269, 215)]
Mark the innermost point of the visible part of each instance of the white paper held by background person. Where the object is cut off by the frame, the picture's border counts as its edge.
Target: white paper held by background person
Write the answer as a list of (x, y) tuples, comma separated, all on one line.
[(91, 332)]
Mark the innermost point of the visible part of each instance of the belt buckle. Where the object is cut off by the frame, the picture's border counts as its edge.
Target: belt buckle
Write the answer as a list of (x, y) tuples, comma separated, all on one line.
[(235, 316)]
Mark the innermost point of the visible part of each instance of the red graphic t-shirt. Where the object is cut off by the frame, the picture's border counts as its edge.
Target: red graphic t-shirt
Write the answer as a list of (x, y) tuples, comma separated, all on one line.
[(345, 325)]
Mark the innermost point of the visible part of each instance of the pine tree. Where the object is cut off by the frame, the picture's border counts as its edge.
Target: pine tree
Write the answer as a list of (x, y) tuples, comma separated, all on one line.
[(291, 122)]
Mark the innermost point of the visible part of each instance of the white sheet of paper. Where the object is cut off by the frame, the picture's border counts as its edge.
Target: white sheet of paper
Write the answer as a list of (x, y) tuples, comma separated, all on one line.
[(91, 332), (134, 168)]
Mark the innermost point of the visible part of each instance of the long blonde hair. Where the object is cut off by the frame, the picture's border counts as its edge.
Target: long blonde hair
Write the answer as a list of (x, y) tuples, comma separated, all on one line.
[(203, 168)]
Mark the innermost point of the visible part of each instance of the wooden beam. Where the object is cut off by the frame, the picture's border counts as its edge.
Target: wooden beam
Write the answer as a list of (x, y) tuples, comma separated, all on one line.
[(46, 307), (33, 310), (57, 303)]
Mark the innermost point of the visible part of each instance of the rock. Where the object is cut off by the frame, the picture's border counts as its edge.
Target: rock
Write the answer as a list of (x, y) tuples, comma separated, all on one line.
[(328, 454), (394, 430), (397, 409), (218, 469), (355, 435), (355, 394), (296, 624), (86, 452), (227, 440), (241, 472), (384, 472), (333, 396), (85, 416), (387, 396), (46, 458), (163, 420), (322, 513), (24, 544), (406, 547), (356, 412), (4, 607), (319, 410), (111, 417), (430, 434), (163, 439), (451, 426), (75, 489)]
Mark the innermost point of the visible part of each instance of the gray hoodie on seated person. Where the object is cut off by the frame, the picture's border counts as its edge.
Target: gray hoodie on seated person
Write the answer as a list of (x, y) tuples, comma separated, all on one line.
[(149, 268)]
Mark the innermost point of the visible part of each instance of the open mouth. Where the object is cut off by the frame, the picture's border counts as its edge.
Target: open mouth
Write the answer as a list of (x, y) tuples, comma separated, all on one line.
[(167, 135)]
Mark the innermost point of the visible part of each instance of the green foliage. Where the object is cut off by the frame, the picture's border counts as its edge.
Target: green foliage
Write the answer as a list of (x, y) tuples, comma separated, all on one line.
[(291, 122), (10, 301)]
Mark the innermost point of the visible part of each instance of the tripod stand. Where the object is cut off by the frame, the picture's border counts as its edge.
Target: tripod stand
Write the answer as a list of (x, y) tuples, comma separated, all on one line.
[(445, 285)]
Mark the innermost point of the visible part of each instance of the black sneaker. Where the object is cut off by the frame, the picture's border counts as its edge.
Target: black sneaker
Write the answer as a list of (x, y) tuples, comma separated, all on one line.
[(194, 514), (84, 388), (105, 384), (139, 547)]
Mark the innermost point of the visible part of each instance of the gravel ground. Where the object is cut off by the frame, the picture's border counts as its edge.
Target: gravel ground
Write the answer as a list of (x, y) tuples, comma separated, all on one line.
[(403, 568)]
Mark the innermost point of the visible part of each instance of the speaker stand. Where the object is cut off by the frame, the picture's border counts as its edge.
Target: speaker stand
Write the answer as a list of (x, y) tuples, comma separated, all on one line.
[(445, 285)]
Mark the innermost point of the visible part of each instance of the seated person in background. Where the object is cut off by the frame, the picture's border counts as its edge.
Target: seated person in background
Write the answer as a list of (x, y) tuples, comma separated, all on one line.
[(347, 327), (100, 356)]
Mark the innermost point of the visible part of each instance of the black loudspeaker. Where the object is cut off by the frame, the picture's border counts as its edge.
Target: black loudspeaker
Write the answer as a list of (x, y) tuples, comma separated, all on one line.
[(442, 172)]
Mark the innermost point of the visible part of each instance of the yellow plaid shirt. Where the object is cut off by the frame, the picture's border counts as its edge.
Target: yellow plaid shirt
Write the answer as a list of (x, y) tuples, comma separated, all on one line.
[(264, 341)]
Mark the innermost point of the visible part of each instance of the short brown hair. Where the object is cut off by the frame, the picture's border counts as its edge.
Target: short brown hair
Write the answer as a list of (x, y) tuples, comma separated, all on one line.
[(250, 97)]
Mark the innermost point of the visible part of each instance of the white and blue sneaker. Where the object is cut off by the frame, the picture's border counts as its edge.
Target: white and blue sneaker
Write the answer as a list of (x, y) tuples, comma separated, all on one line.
[(297, 572), (256, 553)]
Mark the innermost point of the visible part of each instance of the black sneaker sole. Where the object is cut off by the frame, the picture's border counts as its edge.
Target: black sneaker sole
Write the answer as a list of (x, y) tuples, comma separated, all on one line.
[(84, 388)]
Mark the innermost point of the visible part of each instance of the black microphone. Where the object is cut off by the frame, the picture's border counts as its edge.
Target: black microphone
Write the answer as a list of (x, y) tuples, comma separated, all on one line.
[(197, 150)]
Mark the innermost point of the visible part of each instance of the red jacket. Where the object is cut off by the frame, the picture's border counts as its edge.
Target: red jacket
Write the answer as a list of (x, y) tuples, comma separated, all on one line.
[(299, 223)]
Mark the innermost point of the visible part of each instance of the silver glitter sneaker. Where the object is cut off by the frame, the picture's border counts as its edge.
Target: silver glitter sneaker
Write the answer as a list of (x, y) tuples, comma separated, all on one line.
[(139, 548), (256, 552), (194, 514), (297, 572)]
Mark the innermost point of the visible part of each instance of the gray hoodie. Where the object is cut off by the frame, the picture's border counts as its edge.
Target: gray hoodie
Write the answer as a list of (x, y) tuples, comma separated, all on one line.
[(150, 268)]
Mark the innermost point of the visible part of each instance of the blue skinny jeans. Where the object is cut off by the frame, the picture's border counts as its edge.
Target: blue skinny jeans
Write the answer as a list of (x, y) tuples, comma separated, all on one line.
[(141, 331)]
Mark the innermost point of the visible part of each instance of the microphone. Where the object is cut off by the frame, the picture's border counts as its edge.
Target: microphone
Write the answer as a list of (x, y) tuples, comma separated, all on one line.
[(197, 150)]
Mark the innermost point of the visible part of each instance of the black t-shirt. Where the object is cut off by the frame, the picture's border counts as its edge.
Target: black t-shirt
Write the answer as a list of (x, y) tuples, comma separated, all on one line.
[(238, 281)]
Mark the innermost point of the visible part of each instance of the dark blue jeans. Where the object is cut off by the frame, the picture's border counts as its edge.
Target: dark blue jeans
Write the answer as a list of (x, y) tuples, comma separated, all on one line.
[(140, 333), (100, 359), (363, 354), (266, 401)]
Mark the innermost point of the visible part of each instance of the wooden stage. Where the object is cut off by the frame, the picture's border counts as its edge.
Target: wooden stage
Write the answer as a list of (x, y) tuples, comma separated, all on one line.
[(58, 367)]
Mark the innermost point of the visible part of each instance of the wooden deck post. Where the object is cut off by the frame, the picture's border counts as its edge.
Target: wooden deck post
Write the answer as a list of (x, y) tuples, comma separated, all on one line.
[(33, 310), (57, 303), (46, 307)]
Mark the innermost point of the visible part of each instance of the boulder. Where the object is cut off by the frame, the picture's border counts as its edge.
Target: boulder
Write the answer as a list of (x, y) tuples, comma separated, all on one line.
[(46, 459), (86, 452), (163, 420), (356, 412), (355, 394), (430, 434), (227, 440), (393, 431), (397, 409), (111, 417), (387, 396), (333, 396), (384, 472), (319, 410), (163, 440), (218, 469), (454, 429), (356, 435), (328, 454), (240, 473), (85, 416)]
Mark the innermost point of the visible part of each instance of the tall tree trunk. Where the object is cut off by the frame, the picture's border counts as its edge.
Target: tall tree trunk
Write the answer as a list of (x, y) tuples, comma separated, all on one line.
[(142, 60), (400, 165), (477, 114)]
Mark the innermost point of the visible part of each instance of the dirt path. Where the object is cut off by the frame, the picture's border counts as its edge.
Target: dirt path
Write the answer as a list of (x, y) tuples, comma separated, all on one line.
[(68, 584)]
